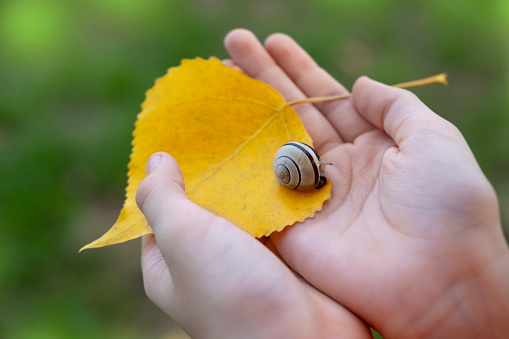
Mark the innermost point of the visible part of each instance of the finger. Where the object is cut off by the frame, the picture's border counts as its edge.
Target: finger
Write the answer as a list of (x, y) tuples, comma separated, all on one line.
[(156, 276), (314, 81), (247, 52), (164, 183), (230, 63), (400, 114)]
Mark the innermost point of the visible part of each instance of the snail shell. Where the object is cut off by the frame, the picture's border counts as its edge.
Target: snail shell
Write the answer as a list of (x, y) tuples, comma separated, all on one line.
[(297, 166)]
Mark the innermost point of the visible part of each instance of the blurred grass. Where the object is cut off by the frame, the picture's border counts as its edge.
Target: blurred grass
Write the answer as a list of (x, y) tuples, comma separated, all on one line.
[(73, 76)]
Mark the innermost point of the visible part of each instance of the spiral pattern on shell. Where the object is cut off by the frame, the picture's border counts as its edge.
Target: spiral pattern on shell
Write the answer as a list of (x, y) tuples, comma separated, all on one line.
[(297, 166)]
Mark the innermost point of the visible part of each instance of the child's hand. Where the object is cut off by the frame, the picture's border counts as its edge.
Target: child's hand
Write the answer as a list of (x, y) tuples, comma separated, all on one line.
[(411, 240)]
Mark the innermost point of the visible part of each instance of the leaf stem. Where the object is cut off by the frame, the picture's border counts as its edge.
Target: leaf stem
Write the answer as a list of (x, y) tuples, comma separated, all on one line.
[(435, 79)]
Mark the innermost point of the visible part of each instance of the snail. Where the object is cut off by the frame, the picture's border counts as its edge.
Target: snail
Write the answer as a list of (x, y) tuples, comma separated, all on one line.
[(298, 166)]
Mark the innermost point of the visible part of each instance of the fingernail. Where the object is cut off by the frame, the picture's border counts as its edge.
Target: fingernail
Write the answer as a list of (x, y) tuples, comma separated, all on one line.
[(153, 162)]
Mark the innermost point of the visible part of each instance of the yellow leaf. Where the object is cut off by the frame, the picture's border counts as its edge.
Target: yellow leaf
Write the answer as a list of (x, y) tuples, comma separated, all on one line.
[(223, 128)]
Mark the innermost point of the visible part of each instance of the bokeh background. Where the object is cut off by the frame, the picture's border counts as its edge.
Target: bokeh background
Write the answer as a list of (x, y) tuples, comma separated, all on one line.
[(73, 75)]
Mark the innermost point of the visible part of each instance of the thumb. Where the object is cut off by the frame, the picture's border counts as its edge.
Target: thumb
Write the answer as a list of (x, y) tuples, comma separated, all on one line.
[(162, 192), (400, 113), (176, 221)]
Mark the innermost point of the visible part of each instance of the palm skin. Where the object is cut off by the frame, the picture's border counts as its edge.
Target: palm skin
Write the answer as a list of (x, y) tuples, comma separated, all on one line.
[(410, 241)]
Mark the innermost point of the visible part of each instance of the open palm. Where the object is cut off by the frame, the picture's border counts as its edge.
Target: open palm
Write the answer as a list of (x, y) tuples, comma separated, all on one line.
[(406, 187)]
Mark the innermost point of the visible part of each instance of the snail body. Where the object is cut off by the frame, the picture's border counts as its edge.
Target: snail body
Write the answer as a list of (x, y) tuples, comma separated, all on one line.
[(298, 166)]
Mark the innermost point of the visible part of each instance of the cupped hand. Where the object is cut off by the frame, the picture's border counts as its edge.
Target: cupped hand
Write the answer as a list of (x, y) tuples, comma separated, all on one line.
[(216, 281), (411, 240)]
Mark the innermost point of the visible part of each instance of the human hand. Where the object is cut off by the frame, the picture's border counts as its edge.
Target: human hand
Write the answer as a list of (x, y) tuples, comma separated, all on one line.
[(411, 240), (216, 281)]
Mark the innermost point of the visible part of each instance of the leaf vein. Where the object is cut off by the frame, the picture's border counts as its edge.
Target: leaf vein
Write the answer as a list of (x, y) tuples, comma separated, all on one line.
[(234, 153)]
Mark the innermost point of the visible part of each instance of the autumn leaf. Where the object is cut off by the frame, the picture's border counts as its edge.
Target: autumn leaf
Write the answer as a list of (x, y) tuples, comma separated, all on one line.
[(223, 128)]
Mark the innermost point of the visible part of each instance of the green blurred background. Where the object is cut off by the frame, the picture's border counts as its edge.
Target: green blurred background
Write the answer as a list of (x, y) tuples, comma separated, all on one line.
[(73, 75)]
